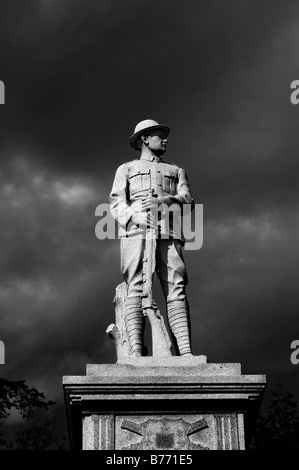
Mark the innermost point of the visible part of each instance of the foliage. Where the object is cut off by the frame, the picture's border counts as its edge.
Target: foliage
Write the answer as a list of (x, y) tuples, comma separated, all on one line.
[(279, 429), (27, 401), (40, 437)]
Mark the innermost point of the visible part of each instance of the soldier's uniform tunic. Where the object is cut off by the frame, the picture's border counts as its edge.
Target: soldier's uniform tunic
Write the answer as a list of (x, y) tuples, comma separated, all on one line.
[(133, 182)]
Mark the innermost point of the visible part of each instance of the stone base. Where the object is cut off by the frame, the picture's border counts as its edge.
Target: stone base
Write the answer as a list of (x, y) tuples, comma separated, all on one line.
[(153, 361), (174, 404)]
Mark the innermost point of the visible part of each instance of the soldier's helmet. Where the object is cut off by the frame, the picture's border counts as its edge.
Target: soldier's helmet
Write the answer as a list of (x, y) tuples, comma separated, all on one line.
[(146, 125)]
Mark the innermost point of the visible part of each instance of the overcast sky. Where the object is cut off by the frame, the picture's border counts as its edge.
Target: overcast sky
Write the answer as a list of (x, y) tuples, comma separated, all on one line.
[(79, 75)]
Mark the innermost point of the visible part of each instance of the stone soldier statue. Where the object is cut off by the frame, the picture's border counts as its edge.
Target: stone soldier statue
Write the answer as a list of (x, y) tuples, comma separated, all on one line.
[(141, 186)]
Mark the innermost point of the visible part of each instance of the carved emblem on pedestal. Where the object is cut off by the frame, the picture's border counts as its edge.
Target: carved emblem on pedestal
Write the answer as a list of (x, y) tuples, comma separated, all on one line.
[(165, 434)]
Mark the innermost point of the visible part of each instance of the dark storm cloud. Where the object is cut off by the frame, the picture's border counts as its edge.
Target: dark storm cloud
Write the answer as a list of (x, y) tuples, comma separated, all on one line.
[(78, 77), (246, 297), (54, 272), (218, 73)]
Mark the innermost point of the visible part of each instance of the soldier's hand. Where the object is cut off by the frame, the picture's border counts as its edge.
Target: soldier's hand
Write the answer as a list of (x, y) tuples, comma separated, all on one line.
[(150, 203), (144, 220)]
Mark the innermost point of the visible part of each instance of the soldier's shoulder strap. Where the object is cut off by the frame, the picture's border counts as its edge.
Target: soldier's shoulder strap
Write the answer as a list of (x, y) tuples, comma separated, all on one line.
[(131, 162), (172, 164)]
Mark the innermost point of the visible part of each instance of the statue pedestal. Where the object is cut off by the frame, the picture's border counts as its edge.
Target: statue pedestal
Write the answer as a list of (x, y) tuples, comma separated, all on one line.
[(172, 404)]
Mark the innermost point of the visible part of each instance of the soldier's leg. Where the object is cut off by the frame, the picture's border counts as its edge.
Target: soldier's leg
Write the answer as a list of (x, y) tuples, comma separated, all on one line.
[(131, 267), (172, 273)]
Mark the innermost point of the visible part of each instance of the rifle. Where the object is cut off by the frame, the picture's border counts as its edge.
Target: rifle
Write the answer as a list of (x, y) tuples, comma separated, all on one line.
[(161, 344)]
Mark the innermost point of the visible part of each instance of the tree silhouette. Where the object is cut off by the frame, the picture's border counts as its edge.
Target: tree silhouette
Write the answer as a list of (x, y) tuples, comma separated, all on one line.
[(279, 429), (17, 395), (41, 437)]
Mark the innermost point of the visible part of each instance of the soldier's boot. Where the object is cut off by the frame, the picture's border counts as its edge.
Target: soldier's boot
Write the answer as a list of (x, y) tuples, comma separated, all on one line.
[(134, 321), (179, 322)]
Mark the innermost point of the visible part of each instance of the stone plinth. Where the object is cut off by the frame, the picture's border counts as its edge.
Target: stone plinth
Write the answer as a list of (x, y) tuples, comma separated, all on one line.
[(171, 404)]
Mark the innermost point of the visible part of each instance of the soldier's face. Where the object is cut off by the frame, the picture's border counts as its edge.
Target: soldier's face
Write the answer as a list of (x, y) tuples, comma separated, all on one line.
[(157, 142)]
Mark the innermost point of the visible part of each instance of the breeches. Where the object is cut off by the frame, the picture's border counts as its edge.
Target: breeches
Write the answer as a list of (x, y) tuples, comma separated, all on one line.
[(170, 267)]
